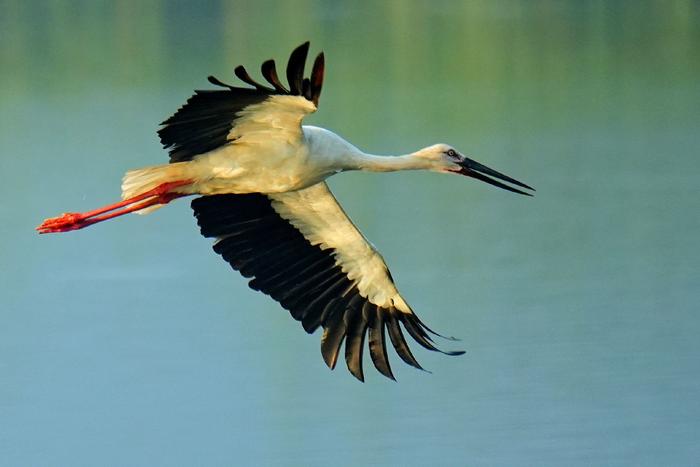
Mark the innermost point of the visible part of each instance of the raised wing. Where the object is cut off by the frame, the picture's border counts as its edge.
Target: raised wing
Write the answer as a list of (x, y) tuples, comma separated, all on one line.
[(301, 249), (210, 117)]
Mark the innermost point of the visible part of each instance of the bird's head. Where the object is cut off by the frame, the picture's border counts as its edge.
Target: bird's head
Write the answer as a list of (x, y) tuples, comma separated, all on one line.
[(445, 158)]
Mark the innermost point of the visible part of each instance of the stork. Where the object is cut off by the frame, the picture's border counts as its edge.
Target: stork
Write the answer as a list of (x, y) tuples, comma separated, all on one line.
[(261, 176)]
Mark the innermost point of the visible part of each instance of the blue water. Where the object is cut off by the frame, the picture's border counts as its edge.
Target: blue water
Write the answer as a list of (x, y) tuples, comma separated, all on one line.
[(132, 343)]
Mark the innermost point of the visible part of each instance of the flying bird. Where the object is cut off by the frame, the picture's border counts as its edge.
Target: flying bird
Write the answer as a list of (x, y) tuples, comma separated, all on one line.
[(261, 176)]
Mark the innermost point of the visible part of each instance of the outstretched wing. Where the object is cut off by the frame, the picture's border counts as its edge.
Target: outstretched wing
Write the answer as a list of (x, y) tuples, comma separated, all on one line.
[(301, 249), (210, 118)]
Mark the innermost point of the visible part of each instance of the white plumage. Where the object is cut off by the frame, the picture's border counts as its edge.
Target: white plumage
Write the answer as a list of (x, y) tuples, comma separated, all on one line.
[(315, 212), (265, 201)]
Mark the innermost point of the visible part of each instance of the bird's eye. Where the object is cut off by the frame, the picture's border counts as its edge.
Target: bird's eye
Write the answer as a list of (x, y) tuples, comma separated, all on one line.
[(452, 153)]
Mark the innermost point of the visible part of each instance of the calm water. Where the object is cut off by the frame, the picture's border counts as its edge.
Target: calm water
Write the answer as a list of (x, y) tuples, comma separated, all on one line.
[(132, 343)]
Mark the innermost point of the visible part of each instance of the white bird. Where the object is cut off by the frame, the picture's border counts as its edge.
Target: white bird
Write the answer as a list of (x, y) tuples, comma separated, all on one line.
[(262, 174)]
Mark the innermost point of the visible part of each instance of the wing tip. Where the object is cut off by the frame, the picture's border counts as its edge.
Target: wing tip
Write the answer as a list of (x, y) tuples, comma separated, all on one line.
[(354, 323), (294, 73)]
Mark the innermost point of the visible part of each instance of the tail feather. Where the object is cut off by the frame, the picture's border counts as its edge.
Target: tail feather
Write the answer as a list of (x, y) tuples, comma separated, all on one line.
[(139, 181)]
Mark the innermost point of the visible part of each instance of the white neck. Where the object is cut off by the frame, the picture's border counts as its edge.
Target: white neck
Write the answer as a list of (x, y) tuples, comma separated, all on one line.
[(372, 163), (334, 152)]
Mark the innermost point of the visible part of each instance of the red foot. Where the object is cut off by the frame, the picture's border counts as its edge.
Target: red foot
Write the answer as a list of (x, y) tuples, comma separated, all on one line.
[(66, 222)]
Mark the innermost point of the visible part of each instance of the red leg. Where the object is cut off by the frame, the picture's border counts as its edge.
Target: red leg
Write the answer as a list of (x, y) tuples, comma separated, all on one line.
[(73, 221)]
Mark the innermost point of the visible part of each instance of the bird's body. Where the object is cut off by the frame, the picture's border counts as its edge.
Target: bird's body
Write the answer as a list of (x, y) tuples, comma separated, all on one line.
[(265, 201), (289, 164)]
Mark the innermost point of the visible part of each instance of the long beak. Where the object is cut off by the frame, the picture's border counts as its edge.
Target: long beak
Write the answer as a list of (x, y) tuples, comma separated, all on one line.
[(473, 169)]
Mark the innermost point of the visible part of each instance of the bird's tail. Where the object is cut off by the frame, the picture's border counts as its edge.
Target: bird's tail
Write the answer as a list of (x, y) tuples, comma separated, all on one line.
[(139, 181)]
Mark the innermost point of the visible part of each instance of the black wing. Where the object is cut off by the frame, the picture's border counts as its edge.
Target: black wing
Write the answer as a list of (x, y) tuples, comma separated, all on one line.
[(306, 280), (207, 118)]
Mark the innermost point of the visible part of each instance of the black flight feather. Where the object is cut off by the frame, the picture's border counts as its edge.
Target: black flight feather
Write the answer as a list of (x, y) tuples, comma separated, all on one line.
[(377, 342), (356, 324), (295, 69), (243, 75), (317, 78), (398, 340), (332, 338), (215, 81), (269, 72)]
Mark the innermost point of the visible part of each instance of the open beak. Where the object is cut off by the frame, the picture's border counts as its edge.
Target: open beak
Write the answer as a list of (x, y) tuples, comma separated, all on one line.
[(473, 169)]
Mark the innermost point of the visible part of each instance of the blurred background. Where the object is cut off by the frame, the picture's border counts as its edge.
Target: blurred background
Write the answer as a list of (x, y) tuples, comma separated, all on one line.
[(132, 343)]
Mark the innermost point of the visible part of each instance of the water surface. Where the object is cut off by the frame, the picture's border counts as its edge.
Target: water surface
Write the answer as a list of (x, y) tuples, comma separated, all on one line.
[(132, 343)]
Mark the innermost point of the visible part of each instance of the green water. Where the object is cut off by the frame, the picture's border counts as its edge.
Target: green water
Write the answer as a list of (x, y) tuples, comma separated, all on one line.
[(132, 343)]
